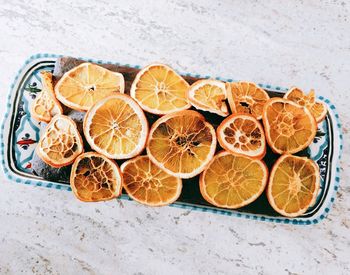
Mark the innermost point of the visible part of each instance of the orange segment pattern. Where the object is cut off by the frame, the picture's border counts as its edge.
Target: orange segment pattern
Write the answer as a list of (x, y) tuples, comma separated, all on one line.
[(95, 178), (232, 181), (148, 184)]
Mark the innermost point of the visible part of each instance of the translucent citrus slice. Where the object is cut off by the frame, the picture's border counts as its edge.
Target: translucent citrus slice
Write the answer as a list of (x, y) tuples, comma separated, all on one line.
[(95, 178), (293, 186), (46, 106), (61, 142), (116, 127), (84, 85), (317, 109), (160, 90), (181, 143), (146, 183), (243, 135), (209, 95), (232, 181), (246, 97), (289, 127)]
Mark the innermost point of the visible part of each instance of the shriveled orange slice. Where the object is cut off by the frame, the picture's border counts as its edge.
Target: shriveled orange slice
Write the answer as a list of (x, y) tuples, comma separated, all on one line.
[(247, 98), (116, 127), (95, 178), (242, 134), (181, 143), (61, 142), (160, 90), (232, 181), (317, 109), (84, 85), (46, 106), (289, 127), (146, 183), (209, 95), (293, 186)]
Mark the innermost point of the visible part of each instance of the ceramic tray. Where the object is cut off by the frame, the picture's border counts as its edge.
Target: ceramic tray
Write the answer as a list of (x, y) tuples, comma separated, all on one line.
[(20, 134)]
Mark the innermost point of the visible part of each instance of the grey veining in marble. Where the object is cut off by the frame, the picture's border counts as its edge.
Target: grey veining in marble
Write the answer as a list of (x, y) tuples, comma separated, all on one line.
[(303, 43)]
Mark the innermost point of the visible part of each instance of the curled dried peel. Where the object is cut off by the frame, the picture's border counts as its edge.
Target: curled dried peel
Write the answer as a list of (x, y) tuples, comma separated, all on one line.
[(95, 178), (46, 106), (158, 89), (146, 183), (232, 181), (293, 185), (242, 134), (61, 142), (247, 98), (209, 95), (318, 109), (181, 143), (289, 127)]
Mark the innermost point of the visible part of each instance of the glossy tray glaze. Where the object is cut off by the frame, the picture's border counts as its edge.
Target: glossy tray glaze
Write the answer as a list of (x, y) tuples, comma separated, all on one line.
[(20, 134)]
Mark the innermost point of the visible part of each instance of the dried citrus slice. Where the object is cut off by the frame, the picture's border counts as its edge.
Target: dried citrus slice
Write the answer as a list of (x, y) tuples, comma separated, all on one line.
[(317, 109), (95, 178), (293, 186), (84, 85), (243, 135), (232, 181), (46, 106), (61, 142), (160, 90), (209, 95), (181, 143), (289, 127), (146, 183), (116, 127), (246, 97)]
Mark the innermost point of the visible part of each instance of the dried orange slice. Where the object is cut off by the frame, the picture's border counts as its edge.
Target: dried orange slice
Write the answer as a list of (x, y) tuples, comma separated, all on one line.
[(46, 106), (61, 142), (116, 127), (317, 109), (232, 181), (293, 186), (246, 97), (146, 183), (209, 95), (95, 178), (243, 135), (181, 143), (160, 90), (289, 127), (84, 85)]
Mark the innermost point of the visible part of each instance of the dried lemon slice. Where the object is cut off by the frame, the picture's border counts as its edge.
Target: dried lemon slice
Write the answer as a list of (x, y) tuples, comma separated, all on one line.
[(232, 181), (95, 178), (46, 106), (246, 97), (84, 85), (289, 127), (61, 142), (146, 183), (116, 127), (160, 90), (209, 95), (293, 186), (181, 143)]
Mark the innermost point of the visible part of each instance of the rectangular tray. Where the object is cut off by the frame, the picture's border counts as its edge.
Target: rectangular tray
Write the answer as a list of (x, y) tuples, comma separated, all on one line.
[(20, 134)]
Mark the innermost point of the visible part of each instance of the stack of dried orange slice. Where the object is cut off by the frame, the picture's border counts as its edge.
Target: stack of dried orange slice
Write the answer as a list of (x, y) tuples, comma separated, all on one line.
[(181, 143)]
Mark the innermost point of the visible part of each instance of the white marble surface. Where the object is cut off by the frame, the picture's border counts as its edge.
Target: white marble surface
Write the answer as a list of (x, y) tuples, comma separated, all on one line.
[(304, 43)]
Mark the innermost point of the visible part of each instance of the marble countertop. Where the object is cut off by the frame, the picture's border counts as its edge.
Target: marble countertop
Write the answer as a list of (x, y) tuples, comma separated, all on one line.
[(303, 43)]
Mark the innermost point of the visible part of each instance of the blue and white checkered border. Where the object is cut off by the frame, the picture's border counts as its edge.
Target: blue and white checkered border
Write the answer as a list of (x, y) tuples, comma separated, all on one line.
[(21, 179)]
